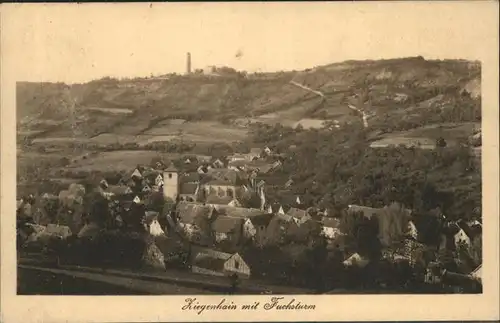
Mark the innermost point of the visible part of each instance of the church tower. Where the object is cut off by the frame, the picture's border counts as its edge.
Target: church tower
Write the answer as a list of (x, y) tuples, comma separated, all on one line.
[(171, 183)]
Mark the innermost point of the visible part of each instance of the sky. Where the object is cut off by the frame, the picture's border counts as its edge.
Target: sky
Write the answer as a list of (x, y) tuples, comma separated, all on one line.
[(79, 42)]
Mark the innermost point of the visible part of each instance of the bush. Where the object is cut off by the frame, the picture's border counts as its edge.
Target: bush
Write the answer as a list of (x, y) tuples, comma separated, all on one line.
[(110, 248)]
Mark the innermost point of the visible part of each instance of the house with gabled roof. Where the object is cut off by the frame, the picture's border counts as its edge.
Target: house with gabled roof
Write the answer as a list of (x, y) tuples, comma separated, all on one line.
[(260, 224), (217, 163), (228, 228), (216, 263), (159, 179), (151, 223), (279, 229), (136, 173), (222, 182), (299, 216), (195, 220)]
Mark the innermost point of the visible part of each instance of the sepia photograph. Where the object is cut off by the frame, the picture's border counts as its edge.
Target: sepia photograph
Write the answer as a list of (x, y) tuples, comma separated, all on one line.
[(359, 176), (215, 149)]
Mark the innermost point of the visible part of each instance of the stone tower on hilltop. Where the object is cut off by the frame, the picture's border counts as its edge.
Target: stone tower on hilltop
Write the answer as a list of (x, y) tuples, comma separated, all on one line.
[(188, 63), (171, 183)]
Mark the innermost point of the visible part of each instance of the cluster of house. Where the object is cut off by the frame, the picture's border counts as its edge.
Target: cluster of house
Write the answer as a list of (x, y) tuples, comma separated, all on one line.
[(207, 204), (452, 236)]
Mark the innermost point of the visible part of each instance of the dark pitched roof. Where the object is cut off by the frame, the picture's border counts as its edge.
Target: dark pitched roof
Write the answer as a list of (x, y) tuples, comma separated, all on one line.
[(296, 213), (238, 212), (150, 175), (150, 216), (188, 212), (207, 262), (192, 177), (168, 246), (171, 168), (188, 188), (262, 219), (284, 217), (223, 176), (226, 224)]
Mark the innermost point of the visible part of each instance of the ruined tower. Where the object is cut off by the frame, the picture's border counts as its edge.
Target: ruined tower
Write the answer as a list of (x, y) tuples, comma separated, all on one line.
[(188, 63)]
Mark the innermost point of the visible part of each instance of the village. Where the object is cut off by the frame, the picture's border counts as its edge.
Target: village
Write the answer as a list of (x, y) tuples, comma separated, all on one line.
[(214, 217)]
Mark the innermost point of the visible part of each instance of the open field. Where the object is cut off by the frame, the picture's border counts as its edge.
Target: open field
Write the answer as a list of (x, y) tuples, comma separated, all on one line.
[(63, 139), (199, 131), (114, 160), (446, 130), (449, 131)]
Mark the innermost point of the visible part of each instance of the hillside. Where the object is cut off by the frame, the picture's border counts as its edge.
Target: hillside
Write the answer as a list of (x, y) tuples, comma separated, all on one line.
[(386, 91)]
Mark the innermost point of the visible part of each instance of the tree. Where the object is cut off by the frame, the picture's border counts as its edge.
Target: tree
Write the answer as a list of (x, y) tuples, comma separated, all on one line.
[(393, 224)]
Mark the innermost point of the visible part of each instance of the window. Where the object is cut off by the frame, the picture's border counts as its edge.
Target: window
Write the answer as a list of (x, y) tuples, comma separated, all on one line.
[(229, 192), (169, 175), (236, 264)]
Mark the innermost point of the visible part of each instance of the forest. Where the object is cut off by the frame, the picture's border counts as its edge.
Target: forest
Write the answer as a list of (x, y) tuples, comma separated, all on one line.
[(335, 168)]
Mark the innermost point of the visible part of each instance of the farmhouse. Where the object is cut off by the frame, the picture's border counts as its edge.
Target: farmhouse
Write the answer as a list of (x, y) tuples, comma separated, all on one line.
[(216, 263)]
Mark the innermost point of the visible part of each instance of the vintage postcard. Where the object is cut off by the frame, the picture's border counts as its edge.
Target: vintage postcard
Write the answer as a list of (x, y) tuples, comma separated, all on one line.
[(249, 161)]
